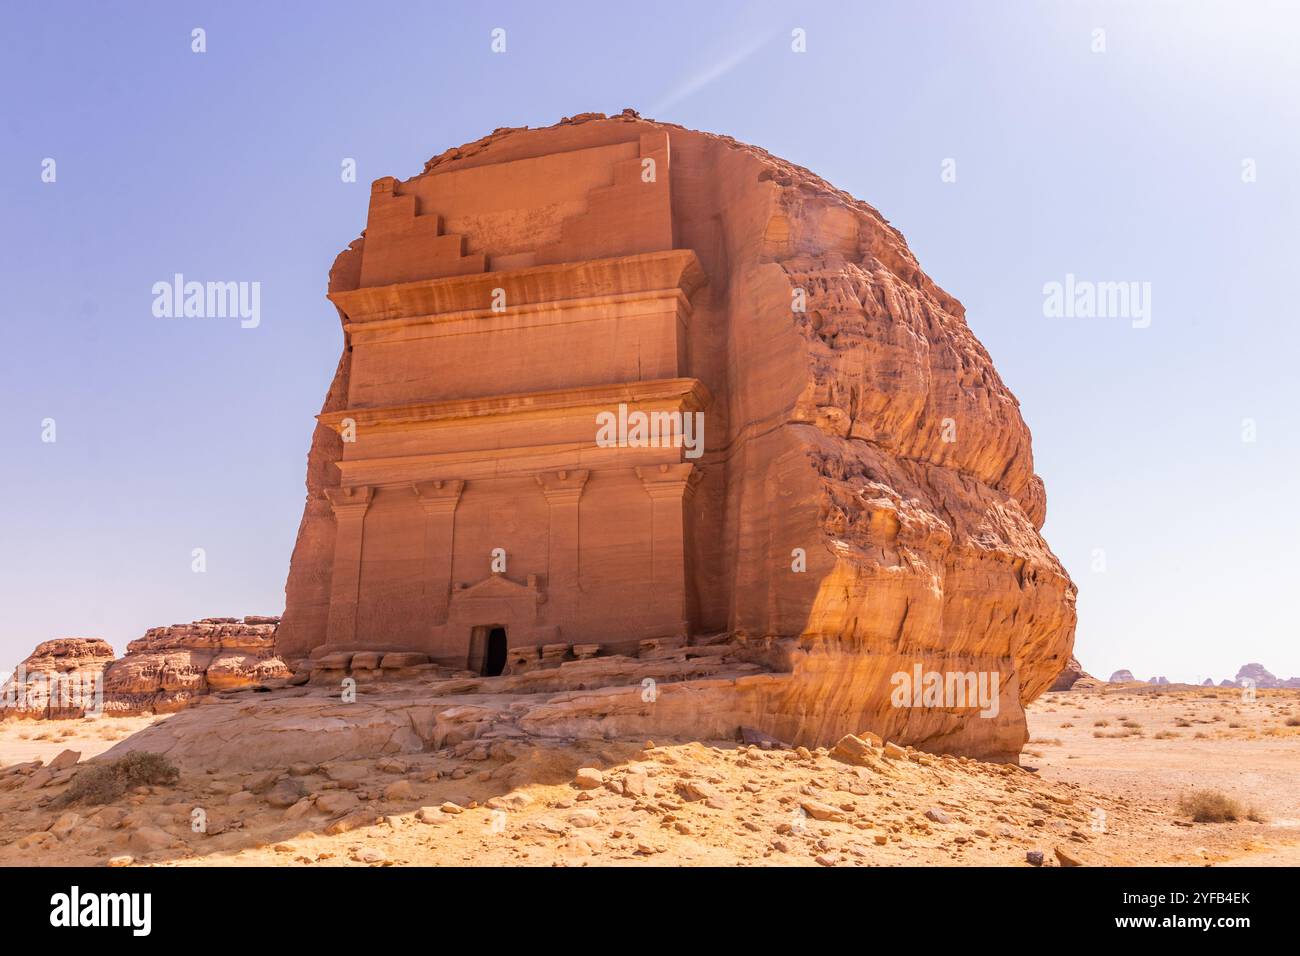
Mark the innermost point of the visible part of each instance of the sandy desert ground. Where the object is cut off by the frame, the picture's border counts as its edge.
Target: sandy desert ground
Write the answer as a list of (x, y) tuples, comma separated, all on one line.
[(1110, 767)]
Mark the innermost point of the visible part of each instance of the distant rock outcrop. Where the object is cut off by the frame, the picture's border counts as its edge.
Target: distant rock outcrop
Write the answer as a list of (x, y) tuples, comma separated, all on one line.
[(1123, 677), (1261, 677), (1070, 674), (170, 666), (161, 672), (58, 679)]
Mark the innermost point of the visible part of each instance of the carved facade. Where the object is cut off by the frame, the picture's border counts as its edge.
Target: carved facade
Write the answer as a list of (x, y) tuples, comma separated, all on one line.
[(473, 503), (864, 504)]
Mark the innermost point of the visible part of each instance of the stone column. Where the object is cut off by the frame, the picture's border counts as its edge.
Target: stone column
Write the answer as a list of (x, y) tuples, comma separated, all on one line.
[(439, 500), (563, 491), (668, 487), (350, 505)]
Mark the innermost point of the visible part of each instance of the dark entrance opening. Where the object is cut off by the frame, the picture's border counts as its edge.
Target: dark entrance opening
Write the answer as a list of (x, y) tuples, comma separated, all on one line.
[(494, 661)]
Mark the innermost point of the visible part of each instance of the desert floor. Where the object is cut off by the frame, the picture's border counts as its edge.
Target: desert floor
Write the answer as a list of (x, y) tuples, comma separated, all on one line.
[(1111, 766)]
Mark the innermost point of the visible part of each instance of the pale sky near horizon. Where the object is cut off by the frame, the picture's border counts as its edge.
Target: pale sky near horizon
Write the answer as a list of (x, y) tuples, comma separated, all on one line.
[(1169, 158)]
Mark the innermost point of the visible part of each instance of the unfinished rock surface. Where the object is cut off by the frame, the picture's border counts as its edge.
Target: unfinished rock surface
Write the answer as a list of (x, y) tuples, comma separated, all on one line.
[(865, 502)]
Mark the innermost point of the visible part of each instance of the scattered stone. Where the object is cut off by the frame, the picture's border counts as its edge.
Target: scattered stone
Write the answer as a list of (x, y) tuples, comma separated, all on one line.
[(589, 778), (1067, 858)]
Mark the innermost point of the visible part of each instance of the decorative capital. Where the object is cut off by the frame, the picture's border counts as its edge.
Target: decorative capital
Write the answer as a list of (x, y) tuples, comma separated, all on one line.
[(440, 496), (563, 486), (673, 481), (350, 502)]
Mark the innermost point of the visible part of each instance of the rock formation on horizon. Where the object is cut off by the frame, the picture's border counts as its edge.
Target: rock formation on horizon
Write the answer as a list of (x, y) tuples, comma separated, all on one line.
[(162, 672), (53, 681), (170, 666), (865, 504), (1262, 678), (1071, 674), (1122, 677)]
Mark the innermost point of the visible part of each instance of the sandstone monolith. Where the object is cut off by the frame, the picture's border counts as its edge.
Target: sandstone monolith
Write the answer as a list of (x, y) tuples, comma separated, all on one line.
[(857, 502)]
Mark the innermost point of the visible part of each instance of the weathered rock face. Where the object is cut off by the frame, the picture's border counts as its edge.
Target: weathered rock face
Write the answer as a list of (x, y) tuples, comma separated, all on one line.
[(61, 678), (161, 672), (1122, 677), (865, 504), (1070, 675), (170, 666)]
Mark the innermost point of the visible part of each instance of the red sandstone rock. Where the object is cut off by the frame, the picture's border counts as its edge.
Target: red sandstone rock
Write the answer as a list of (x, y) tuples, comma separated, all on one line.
[(865, 502), (161, 672), (61, 678), (1071, 673), (170, 666)]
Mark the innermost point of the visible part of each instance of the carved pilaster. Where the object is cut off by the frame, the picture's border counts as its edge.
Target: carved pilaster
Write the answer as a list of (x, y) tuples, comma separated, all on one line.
[(669, 486), (350, 506), (439, 500), (563, 491)]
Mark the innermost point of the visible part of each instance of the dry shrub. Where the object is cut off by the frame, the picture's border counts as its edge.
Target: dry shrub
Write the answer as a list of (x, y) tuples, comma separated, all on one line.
[(105, 782), (1210, 806)]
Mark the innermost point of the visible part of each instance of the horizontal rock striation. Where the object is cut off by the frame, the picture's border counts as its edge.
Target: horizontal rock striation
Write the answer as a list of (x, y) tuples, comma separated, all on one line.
[(61, 678), (163, 671), (170, 666)]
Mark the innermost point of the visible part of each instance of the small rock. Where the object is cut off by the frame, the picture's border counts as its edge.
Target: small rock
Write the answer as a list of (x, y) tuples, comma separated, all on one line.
[(1066, 858), (589, 778), (65, 824), (149, 839), (122, 860), (822, 811), (400, 790), (300, 809), (353, 821), (285, 793), (64, 760), (336, 801), (938, 816), (1034, 857)]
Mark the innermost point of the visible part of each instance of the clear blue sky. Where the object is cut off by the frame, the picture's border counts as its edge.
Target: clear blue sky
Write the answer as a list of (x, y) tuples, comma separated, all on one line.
[(1117, 166)]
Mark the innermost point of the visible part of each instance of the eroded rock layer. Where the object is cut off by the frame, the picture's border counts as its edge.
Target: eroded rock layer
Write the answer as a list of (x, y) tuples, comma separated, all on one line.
[(865, 506), (170, 666), (59, 679), (163, 671)]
